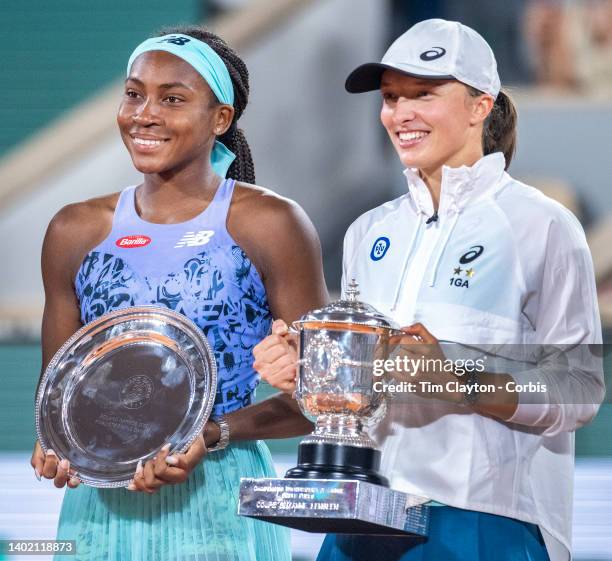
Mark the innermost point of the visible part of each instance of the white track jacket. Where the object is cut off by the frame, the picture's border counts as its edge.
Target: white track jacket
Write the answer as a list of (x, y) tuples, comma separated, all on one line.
[(503, 264)]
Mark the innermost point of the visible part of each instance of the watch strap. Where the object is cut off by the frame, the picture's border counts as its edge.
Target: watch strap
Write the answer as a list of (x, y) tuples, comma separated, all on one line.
[(470, 397), (224, 434)]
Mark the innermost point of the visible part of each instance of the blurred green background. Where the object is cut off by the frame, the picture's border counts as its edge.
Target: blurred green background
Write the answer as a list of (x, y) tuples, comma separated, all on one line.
[(57, 43)]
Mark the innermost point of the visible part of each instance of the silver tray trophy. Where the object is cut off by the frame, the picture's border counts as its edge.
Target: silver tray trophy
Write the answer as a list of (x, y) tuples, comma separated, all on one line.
[(123, 386), (336, 487)]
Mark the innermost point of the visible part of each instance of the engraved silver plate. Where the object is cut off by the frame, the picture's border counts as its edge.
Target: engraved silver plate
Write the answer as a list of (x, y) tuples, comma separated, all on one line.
[(334, 506), (123, 386)]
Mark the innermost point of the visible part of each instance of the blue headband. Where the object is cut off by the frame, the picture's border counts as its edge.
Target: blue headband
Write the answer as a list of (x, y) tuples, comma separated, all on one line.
[(210, 66)]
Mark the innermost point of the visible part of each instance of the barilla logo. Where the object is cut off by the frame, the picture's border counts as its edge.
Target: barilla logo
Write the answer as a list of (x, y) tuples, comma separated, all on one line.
[(133, 241)]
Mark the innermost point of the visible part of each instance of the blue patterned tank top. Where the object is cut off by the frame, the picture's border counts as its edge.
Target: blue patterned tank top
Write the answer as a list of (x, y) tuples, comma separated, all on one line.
[(194, 268)]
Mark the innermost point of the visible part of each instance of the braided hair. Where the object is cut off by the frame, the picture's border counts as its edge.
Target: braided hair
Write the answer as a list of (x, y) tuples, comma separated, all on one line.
[(242, 168)]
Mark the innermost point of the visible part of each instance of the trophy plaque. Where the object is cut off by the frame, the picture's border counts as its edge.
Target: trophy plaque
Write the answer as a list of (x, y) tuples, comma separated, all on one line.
[(123, 386), (336, 486)]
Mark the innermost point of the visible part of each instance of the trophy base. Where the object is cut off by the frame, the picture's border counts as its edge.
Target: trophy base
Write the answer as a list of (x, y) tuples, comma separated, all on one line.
[(334, 507), (319, 460)]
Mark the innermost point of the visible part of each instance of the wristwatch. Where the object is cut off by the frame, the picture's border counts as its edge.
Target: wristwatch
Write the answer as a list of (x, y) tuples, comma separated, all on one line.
[(224, 434), (470, 397)]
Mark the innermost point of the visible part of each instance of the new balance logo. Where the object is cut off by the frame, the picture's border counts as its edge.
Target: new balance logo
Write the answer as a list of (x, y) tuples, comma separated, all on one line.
[(193, 239), (176, 40)]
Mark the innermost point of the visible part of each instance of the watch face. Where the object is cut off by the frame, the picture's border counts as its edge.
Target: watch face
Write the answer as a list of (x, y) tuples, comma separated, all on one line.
[(123, 386)]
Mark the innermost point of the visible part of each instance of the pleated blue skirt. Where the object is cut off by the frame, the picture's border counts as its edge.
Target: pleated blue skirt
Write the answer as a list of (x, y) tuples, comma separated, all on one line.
[(454, 535), (193, 521)]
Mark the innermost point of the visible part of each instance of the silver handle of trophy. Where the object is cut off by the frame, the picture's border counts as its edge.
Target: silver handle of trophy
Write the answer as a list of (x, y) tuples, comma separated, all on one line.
[(355, 363), (342, 362)]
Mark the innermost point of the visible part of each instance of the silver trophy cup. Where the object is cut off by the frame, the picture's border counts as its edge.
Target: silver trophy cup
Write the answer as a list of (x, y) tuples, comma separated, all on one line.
[(335, 386), (336, 486)]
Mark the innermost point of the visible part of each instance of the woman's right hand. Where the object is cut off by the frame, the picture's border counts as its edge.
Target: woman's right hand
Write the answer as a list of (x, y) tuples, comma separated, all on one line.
[(48, 466), (276, 358)]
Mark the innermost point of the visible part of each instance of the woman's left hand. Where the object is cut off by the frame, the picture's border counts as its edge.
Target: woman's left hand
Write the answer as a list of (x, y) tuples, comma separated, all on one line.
[(421, 336), (166, 469), (421, 344), (418, 343)]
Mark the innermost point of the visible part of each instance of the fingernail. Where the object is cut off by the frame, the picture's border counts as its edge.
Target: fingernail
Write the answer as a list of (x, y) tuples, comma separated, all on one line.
[(51, 452), (131, 487), (166, 447), (74, 481), (64, 464), (139, 468), (37, 474), (172, 460)]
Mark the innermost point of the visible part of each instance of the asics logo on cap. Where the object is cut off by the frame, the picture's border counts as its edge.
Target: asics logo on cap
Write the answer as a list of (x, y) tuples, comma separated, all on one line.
[(193, 239), (433, 53)]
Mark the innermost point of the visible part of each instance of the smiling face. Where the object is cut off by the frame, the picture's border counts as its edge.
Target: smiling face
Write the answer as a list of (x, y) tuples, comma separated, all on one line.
[(432, 122), (169, 117)]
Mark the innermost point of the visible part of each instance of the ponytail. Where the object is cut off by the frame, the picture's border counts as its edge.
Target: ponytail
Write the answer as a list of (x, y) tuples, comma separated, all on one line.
[(499, 130), (242, 168)]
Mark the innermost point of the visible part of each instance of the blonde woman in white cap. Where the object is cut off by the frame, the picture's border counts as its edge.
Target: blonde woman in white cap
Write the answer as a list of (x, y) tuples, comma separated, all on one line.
[(467, 255)]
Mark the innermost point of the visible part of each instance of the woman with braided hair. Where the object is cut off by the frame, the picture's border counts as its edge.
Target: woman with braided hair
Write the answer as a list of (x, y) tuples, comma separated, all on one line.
[(211, 251), (242, 167)]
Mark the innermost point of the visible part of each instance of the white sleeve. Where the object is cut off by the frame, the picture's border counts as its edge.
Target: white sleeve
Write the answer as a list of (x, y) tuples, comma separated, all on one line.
[(567, 316)]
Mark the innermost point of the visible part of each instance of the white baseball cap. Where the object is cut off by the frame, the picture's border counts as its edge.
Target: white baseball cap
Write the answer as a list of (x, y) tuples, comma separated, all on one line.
[(434, 49)]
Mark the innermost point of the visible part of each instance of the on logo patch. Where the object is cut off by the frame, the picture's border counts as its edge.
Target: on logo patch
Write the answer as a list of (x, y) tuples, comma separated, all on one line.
[(133, 241), (380, 247)]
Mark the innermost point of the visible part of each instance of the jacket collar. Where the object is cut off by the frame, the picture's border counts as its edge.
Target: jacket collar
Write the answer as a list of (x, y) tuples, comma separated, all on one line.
[(460, 186)]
